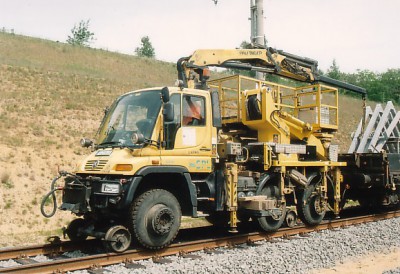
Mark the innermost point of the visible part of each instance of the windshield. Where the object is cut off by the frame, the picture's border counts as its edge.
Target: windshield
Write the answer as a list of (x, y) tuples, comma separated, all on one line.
[(134, 112)]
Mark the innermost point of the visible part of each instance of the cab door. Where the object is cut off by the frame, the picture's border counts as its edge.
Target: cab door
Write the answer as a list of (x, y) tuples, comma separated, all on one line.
[(189, 136)]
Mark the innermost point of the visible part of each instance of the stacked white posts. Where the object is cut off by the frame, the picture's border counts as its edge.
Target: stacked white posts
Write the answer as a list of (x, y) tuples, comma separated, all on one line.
[(381, 131)]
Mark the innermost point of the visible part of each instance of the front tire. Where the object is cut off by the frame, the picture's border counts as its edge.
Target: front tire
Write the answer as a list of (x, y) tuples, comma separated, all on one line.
[(156, 218)]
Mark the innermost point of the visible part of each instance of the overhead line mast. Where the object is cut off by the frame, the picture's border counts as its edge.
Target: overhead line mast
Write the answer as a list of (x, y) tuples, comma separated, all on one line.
[(257, 35), (257, 28), (257, 23)]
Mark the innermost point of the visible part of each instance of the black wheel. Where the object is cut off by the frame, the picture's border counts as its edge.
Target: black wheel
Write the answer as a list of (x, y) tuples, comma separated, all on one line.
[(117, 239), (291, 218), (272, 223), (156, 217), (75, 230), (310, 206)]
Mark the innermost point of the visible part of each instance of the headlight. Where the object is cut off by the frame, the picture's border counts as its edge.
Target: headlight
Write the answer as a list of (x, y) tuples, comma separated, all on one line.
[(86, 142), (137, 138), (110, 188)]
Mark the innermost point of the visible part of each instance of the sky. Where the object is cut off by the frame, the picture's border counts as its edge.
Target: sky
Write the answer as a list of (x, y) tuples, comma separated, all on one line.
[(358, 34)]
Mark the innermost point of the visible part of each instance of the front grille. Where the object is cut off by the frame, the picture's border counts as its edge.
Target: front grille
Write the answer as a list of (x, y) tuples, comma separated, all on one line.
[(95, 165)]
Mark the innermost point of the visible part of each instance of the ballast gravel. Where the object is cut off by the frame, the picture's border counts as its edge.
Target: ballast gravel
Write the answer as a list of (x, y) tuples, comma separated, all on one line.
[(393, 271), (298, 255)]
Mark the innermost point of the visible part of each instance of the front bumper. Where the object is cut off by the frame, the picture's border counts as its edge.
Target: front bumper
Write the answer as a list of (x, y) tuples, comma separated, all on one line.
[(84, 194)]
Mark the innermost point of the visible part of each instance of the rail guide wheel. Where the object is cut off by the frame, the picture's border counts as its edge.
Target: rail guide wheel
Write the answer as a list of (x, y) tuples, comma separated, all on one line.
[(291, 218), (117, 239)]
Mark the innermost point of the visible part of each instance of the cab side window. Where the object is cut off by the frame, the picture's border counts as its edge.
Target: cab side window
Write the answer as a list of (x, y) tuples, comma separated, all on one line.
[(193, 111), (172, 127)]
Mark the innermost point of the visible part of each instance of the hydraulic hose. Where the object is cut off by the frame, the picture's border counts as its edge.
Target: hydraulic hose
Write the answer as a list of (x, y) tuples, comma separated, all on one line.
[(53, 196)]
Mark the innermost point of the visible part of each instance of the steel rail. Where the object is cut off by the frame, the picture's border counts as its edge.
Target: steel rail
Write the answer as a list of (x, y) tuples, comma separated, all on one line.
[(53, 248), (100, 260)]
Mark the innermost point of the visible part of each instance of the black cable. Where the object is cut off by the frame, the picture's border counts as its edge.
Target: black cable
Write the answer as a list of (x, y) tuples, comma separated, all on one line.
[(53, 196)]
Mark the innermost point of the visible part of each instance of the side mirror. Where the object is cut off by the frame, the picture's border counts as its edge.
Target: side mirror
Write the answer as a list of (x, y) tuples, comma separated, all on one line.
[(168, 112), (165, 94)]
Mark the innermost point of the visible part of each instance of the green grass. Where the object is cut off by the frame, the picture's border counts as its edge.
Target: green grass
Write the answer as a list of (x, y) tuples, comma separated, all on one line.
[(6, 181), (44, 55)]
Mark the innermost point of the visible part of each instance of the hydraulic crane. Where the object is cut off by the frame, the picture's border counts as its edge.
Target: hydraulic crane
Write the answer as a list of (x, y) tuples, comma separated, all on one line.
[(266, 60)]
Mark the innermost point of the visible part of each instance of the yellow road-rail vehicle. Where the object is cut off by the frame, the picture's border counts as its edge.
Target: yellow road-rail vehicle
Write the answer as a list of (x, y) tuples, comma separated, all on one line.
[(230, 149)]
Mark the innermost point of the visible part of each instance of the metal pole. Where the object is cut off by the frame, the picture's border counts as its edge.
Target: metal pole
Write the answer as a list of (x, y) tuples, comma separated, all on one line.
[(257, 27), (257, 23)]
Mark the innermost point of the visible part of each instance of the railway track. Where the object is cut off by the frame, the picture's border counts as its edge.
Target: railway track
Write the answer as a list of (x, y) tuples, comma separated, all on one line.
[(62, 264)]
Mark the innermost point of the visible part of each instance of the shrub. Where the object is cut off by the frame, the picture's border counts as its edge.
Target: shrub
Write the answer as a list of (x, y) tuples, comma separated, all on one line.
[(6, 181)]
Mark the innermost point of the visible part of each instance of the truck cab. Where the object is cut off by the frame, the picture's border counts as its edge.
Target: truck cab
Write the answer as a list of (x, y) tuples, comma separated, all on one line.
[(149, 140)]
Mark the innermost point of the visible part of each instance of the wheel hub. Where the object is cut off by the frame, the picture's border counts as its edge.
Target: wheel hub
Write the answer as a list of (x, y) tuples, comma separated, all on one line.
[(291, 219), (319, 204), (121, 239), (117, 239), (163, 221)]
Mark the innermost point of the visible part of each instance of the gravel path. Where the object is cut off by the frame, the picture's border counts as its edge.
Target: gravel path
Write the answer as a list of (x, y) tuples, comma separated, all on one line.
[(298, 255)]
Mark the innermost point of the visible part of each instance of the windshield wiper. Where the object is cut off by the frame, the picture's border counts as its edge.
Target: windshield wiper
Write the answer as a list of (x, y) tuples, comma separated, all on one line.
[(114, 144), (151, 142), (110, 143)]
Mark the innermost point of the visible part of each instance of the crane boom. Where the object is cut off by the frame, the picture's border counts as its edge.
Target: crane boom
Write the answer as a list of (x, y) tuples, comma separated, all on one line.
[(266, 60)]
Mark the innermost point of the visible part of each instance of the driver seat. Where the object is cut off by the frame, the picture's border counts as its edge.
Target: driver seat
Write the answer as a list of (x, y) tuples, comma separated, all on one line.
[(144, 127)]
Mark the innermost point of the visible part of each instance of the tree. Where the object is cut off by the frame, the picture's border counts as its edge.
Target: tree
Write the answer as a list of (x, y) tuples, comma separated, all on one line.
[(334, 71), (81, 36), (146, 48), (246, 45)]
